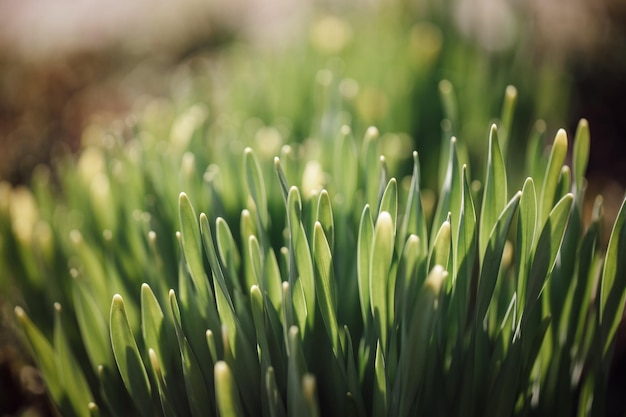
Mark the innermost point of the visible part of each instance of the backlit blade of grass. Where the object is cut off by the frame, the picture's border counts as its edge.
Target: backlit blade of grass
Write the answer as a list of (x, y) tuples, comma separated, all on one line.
[(381, 258), (192, 247), (551, 176), (226, 392), (413, 221), (613, 284), (195, 384), (493, 257), (304, 301), (128, 359), (364, 250), (546, 251), (580, 157), (325, 287), (526, 224), (494, 193)]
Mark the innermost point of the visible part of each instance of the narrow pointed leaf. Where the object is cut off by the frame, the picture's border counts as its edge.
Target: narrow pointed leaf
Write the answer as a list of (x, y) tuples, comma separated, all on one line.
[(551, 177), (226, 392), (581, 153), (71, 377), (256, 186), (128, 359), (381, 258), (494, 193), (613, 284), (191, 243), (493, 257), (325, 286), (364, 250), (414, 221)]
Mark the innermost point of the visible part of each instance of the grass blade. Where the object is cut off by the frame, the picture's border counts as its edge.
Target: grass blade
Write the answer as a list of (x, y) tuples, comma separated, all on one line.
[(226, 392), (494, 193), (381, 258), (580, 158), (325, 286), (493, 257), (364, 250), (71, 377), (128, 358), (551, 177), (613, 284)]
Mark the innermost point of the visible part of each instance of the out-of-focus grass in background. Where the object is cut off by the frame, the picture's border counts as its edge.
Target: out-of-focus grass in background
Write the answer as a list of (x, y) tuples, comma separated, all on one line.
[(66, 64)]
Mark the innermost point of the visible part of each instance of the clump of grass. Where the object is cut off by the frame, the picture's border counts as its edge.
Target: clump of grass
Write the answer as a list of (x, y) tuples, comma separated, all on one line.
[(323, 286)]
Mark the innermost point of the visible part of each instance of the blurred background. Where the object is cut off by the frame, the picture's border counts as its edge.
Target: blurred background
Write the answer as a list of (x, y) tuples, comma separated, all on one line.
[(69, 64)]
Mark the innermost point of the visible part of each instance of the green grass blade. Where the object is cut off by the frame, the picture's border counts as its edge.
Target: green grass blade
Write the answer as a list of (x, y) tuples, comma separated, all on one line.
[(546, 251), (440, 253), (580, 158), (413, 221), (229, 254), (506, 119), (551, 177), (494, 193), (153, 324), (92, 325), (407, 278), (465, 250), (325, 286), (364, 250), (296, 369), (325, 218), (304, 301), (613, 284), (277, 408), (71, 377), (414, 353), (128, 358), (43, 353), (379, 399), (370, 167), (256, 186), (226, 392), (309, 395), (493, 257), (381, 258), (216, 267), (389, 201), (450, 195), (192, 247), (161, 385), (195, 384), (526, 224)]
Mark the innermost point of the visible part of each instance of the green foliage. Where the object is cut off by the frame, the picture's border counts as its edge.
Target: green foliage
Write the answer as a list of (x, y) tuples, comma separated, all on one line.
[(258, 316)]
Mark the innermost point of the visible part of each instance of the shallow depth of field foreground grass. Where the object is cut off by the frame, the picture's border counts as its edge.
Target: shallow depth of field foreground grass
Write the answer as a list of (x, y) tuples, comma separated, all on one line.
[(203, 271)]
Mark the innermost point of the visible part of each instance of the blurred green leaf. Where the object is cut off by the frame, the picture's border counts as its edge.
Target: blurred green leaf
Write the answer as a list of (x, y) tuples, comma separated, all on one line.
[(581, 153), (226, 392), (71, 377)]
